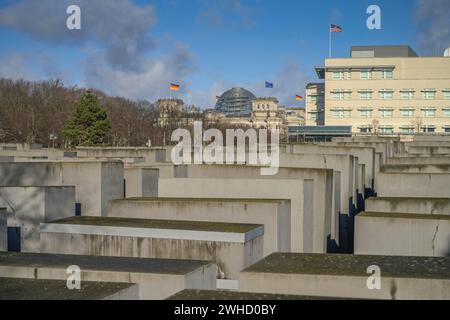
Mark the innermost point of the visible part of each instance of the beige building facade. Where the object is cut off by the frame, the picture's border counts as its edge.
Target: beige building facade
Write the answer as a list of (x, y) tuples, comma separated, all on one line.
[(294, 117), (168, 108), (386, 90), (315, 104), (266, 113)]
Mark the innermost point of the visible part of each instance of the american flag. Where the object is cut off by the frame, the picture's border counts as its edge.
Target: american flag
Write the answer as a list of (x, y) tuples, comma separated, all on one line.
[(335, 28)]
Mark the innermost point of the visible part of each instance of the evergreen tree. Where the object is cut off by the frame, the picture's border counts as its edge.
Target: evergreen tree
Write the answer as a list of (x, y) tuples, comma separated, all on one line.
[(89, 124)]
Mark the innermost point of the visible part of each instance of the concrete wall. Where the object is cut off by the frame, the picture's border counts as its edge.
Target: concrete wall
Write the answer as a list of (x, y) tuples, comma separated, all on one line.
[(29, 206), (413, 185), (95, 182), (385, 148), (402, 235), (51, 154), (141, 182), (404, 288), (366, 156), (416, 168), (417, 160), (130, 293), (3, 230), (153, 285), (345, 164), (429, 150), (273, 214), (409, 205), (325, 211), (150, 155), (230, 256), (253, 189)]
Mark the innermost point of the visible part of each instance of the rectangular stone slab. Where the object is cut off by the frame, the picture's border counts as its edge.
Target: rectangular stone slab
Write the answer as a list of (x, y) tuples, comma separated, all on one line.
[(273, 214), (366, 158), (414, 185), (416, 168), (96, 182), (222, 295), (232, 246), (319, 186), (402, 234), (30, 206), (347, 276), (302, 233), (157, 278), (37, 289), (417, 160), (409, 205)]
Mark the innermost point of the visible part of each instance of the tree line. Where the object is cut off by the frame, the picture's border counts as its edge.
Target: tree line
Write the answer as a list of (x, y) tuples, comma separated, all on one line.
[(54, 115), (38, 112)]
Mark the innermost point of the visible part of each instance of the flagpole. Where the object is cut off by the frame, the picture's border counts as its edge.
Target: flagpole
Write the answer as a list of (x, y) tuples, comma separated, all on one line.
[(329, 41)]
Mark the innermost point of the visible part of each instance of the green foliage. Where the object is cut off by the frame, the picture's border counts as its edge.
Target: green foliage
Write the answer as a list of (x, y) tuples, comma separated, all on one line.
[(89, 124)]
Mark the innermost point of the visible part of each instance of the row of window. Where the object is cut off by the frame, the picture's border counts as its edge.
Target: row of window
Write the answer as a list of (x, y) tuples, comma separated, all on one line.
[(364, 74), (407, 94), (402, 130), (263, 107), (389, 113)]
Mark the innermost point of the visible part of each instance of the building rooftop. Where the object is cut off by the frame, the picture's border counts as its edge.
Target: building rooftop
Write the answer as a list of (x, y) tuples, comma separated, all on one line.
[(314, 84), (382, 51), (266, 99), (159, 224), (353, 265), (115, 264), (321, 130)]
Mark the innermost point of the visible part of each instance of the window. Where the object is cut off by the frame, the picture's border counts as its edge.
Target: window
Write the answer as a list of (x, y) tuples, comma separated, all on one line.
[(341, 95), (429, 94), (407, 94), (386, 113), (365, 95), (447, 94), (313, 115), (407, 113), (337, 75), (337, 95), (447, 113), (365, 130), (429, 113), (341, 75), (447, 129), (387, 74), (365, 113), (387, 130), (366, 75), (341, 113), (429, 129), (387, 95), (313, 98), (407, 130)]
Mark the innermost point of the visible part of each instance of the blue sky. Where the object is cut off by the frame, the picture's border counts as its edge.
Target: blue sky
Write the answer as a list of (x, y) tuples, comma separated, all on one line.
[(206, 46)]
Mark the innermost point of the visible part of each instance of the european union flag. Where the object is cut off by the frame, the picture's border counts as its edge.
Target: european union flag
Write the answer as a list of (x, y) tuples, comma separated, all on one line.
[(269, 85)]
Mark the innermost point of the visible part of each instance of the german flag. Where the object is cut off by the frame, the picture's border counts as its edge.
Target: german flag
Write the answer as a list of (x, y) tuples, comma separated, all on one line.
[(174, 87), (298, 98)]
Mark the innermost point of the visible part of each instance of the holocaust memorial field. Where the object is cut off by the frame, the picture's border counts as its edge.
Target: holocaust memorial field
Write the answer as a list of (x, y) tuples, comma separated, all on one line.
[(355, 218)]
